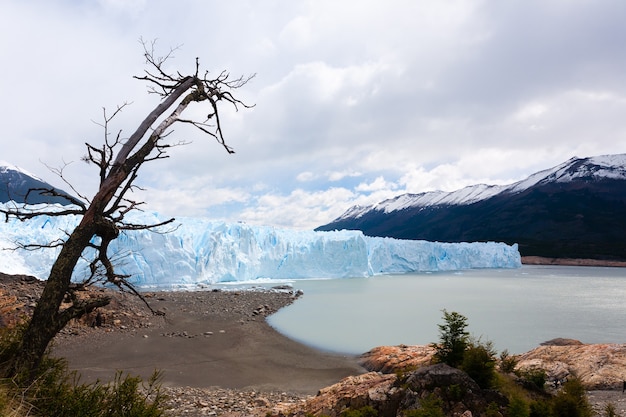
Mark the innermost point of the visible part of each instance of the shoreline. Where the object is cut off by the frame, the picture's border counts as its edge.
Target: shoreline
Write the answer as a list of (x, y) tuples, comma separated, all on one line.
[(219, 354), (206, 339), (540, 260)]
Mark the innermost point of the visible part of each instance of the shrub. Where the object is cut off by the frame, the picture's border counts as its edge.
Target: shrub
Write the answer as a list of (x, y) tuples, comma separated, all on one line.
[(60, 393), (540, 408), (508, 362), (536, 377), (493, 410), (57, 392), (518, 407), (366, 411), (10, 340), (430, 406), (453, 339), (571, 401), (479, 363), (455, 392)]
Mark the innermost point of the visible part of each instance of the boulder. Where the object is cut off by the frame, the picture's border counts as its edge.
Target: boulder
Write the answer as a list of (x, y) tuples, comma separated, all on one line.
[(458, 392), (560, 341), (401, 358), (599, 366), (371, 389), (391, 395)]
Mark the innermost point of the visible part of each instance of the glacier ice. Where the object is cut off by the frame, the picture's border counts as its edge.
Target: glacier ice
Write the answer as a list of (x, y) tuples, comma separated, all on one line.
[(202, 251)]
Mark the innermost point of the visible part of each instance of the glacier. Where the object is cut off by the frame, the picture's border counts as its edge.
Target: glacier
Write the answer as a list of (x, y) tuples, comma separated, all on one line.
[(199, 251)]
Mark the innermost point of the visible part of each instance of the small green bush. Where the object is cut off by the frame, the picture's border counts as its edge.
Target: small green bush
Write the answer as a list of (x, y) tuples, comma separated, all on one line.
[(453, 339), (571, 401), (508, 362), (536, 377), (493, 410), (430, 406), (540, 408), (57, 392), (10, 341), (366, 411), (455, 392), (479, 363), (518, 407)]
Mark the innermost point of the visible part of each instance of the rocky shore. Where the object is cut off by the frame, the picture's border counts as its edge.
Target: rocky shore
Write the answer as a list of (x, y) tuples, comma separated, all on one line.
[(220, 358), (540, 260)]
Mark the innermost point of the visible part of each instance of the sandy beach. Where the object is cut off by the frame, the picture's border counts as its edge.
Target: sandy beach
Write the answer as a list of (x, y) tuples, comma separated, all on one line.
[(204, 339)]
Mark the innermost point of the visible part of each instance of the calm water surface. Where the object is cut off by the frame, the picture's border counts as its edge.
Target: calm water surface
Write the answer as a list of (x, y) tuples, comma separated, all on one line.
[(516, 308)]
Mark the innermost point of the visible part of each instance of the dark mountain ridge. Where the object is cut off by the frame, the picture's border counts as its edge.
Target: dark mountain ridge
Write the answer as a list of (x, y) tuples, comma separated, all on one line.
[(574, 210), (16, 183)]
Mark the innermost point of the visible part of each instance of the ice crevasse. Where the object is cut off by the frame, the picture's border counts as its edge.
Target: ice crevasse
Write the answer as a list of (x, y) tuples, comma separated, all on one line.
[(202, 251)]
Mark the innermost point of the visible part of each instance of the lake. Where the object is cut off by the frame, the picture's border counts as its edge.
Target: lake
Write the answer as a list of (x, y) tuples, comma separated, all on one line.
[(516, 309)]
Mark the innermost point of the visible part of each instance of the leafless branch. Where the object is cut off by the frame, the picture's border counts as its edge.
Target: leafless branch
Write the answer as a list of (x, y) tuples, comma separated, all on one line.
[(102, 217), (73, 200)]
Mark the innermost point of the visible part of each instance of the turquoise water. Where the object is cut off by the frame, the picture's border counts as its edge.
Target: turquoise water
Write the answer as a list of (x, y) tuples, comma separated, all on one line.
[(515, 308)]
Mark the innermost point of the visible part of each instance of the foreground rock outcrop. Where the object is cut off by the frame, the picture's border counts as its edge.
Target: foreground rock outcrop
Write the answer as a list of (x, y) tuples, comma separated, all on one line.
[(599, 366), (401, 358), (402, 378), (391, 395)]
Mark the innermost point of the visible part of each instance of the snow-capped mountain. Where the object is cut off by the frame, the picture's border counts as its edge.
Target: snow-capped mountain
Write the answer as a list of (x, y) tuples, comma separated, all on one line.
[(200, 251), (576, 209), (15, 183)]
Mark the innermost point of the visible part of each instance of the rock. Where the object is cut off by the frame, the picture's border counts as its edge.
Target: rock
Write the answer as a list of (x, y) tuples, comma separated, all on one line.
[(599, 366), (262, 402), (559, 341), (389, 359), (392, 396), (282, 287), (455, 388), (370, 389)]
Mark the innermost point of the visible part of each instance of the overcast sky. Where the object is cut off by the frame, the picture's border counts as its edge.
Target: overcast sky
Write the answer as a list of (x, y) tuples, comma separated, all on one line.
[(355, 101)]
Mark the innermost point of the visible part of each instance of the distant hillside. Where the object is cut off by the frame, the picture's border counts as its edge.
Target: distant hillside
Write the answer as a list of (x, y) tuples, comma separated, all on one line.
[(15, 183), (574, 210)]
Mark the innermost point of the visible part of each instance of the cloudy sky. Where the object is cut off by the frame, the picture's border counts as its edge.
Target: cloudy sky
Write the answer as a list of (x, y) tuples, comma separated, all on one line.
[(355, 101)]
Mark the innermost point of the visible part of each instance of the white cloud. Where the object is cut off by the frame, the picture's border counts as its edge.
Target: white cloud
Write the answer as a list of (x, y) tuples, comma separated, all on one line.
[(306, 176), (191, 201), (354, 101), (530, 112), (299, 209), (339, 175), (377, 185)]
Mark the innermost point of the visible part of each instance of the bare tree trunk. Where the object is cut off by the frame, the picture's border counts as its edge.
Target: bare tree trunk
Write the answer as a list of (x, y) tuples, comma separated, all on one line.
[(104, 216), (47, 318)]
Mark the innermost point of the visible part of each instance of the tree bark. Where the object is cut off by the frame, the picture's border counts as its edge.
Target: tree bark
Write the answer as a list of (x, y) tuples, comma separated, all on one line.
[(106, 210), (47, 319)]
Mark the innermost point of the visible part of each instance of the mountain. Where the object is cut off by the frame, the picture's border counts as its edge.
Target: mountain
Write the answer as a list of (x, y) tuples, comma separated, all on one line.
[(15, 183), (574, 210)]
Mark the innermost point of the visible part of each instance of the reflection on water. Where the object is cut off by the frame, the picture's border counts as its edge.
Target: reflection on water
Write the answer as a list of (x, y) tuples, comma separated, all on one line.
[(515, 308)]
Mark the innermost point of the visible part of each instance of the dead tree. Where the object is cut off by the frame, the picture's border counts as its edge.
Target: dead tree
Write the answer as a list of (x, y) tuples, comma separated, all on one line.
[(104, 215)]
